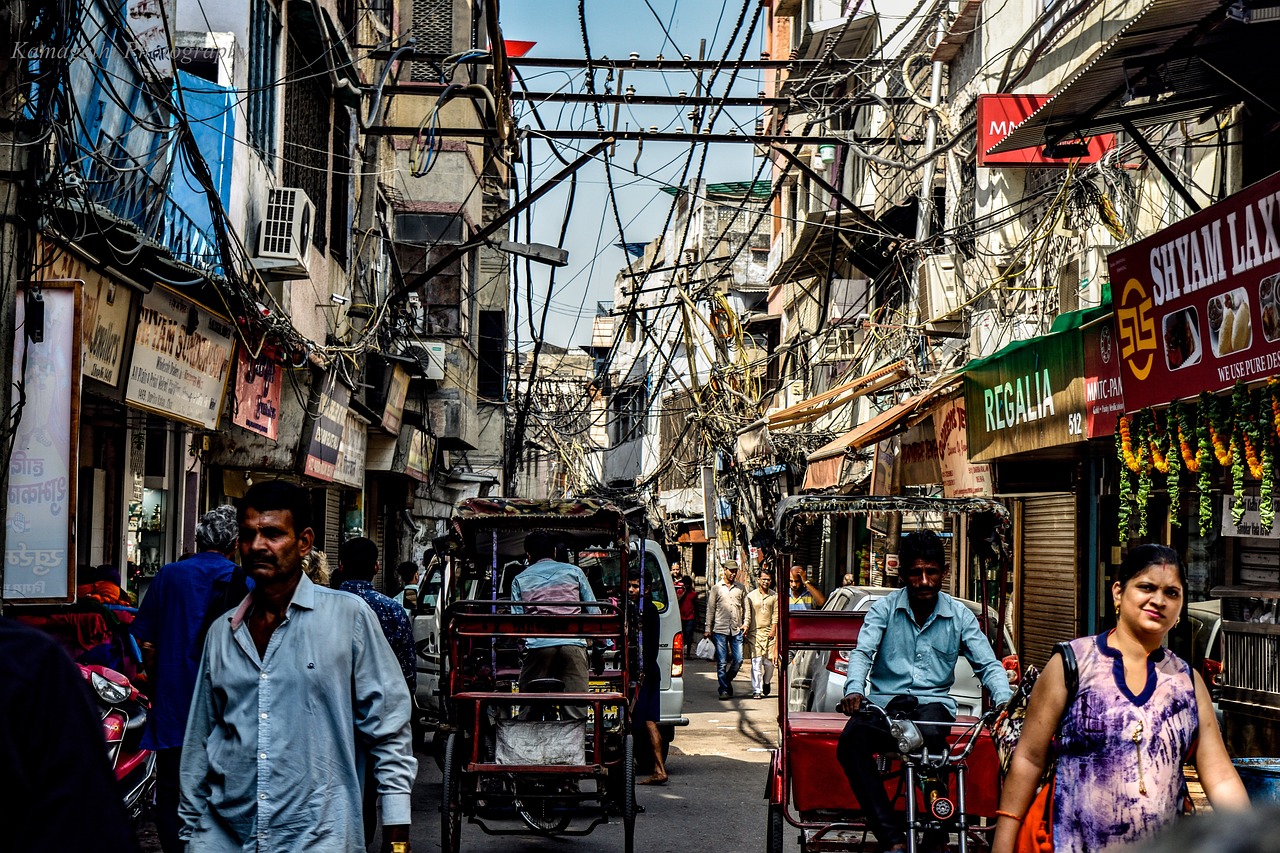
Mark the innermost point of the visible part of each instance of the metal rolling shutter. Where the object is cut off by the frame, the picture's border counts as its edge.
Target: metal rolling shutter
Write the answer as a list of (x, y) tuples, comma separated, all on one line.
[(1048, 599), (332, 526)]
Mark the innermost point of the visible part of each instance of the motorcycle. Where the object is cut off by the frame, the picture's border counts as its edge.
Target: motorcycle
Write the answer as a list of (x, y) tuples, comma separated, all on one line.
[(124, 718)]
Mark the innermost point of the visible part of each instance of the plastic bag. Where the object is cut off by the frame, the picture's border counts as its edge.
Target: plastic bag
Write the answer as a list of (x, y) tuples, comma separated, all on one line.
[(705, 649)]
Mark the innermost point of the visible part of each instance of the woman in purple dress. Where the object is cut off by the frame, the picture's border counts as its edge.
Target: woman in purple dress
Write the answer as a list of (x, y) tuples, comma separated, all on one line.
[(1121, 736)]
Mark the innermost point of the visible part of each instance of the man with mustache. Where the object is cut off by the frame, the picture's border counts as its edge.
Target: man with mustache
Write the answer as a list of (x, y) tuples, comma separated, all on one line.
[(295, 685)]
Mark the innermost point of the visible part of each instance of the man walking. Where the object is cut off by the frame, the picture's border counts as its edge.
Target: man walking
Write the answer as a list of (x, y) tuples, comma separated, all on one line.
[(357, 567), (290, 691), (725, 624), (170, 625), (547, 579), (762, 633)]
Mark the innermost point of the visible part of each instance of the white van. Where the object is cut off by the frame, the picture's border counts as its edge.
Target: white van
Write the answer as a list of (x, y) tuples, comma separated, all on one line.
[(602, 570)]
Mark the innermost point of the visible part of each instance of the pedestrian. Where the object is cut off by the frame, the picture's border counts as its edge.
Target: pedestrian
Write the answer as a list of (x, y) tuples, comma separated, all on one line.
[(849, 579), (357, 567), (171, 623), (804, 594), (60, 793), (905, 662), (291, 689), (1121, 714), (407, 597), (547, 579), (648, 706), (762, 633), (726, 620), (687, 598)]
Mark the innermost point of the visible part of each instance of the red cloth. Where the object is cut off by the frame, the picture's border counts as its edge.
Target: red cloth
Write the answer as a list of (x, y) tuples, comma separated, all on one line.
[(80, 630)]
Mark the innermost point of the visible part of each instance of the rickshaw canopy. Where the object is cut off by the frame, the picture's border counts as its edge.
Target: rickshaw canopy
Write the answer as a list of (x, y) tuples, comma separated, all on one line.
[(795, 512)]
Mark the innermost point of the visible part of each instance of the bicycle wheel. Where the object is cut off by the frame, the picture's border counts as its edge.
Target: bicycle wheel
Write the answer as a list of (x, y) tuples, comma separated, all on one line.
[(539, 811), (628, 795), (777, 825), (451, 799)]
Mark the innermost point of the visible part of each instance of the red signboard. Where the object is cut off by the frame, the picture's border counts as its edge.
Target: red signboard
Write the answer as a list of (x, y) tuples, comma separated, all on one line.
[(1103, 388), (1198, 303), (998, 115)]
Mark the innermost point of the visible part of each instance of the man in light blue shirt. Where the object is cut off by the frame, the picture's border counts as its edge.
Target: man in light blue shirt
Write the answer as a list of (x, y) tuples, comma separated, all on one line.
[(560, 585), (296, 688), (908, 646)]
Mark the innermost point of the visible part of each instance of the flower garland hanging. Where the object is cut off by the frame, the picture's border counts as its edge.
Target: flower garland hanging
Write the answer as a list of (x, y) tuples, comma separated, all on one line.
[(1166, 456), (1193, 440), (1126, 482), (1128, 455), (1266, 508), (1143, 498), (1194, 452)]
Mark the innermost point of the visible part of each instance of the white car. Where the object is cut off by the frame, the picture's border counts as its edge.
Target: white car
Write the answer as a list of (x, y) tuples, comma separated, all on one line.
[(817, 679)]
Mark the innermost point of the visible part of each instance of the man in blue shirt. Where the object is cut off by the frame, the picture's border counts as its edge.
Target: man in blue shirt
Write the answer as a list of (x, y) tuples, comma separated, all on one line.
[(357, 567), (293, 693), (549, 580), (168, 626), (908, 646)]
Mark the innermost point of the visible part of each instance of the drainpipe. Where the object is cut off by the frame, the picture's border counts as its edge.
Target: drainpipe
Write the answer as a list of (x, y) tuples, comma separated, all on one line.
[(924, 218)]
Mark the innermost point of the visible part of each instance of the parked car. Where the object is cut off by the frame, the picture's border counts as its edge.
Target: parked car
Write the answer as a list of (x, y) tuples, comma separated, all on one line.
[(1206, 643), (817, 683)]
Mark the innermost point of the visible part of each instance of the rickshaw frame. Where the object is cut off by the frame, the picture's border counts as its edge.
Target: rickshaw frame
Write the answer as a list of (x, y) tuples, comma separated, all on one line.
[(476, 784), (806, 740)]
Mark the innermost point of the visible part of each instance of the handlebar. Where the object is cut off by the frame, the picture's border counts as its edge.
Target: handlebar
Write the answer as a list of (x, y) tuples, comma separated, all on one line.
[(910, 741)]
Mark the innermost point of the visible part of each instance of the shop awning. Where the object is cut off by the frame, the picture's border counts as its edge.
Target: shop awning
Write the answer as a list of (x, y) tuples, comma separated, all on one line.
[(859, 237), (1173, 60), (826, 463), (833, 398)]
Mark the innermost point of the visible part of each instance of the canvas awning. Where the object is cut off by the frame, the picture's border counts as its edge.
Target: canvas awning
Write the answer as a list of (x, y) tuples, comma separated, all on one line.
[(833, 398), (826, 464), (1173, 60), (859, 237)]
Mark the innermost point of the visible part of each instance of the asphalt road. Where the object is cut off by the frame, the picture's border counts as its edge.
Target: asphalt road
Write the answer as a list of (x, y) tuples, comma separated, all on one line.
[(714, 800)]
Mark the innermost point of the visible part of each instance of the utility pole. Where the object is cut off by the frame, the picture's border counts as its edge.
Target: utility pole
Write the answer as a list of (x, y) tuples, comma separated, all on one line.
[(14, 234)]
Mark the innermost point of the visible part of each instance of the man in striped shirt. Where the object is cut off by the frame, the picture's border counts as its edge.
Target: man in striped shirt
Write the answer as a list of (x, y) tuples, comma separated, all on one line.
[(562, 585)]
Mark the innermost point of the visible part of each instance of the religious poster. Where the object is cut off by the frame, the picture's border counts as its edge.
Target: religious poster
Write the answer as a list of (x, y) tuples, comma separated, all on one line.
[(256, 404), (40, 510)]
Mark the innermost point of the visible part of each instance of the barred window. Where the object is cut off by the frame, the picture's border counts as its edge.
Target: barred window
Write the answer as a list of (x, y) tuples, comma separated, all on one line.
[(306, 135), (264, 73), (433, 29), (340, 201)]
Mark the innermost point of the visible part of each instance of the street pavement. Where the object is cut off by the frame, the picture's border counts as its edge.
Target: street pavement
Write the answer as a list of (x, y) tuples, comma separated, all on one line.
[(714, 800)]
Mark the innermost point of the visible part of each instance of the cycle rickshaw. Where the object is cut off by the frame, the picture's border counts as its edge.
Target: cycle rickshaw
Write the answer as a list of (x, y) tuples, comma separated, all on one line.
[(807, 788), (519, 762)]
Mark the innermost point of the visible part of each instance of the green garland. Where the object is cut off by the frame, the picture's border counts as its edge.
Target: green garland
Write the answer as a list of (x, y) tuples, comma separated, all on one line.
[(1173, 479), (1266, 509), (1204, 479), (1143, 430), (1126, 493)]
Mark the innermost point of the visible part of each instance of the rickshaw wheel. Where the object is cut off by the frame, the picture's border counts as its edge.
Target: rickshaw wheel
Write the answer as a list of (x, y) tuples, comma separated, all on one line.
[(777, 825), (628, 794), (451, 801)]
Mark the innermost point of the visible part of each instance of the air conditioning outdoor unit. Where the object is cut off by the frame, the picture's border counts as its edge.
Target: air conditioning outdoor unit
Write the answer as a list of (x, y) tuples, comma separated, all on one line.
[(1093, 274), (841, 344), (430, 356), (286, 226), (941, 294)]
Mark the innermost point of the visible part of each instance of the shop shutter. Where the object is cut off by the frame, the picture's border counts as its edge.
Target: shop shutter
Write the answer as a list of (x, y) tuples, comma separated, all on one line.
[(332, 526), (1048, 598)]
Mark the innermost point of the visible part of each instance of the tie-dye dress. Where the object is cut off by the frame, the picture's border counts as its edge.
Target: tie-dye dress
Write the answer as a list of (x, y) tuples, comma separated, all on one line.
[(1120, 755)]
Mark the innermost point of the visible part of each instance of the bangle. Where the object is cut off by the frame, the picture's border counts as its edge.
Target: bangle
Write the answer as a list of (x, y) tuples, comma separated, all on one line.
[(399, 847), (1003, 813)]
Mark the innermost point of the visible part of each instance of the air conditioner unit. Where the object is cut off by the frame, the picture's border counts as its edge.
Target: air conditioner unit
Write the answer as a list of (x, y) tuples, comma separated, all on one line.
[(1094, 273), (989, 332), (941, 292), (286, 226), (430, 356), (841, 343)]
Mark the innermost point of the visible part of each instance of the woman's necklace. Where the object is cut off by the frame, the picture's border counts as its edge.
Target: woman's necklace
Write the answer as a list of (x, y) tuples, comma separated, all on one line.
[(1137, 748)]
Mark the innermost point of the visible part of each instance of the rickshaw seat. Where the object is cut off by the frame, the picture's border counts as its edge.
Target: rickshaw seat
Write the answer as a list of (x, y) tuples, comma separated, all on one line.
[(818, 783), (543, 685), (823, 629)]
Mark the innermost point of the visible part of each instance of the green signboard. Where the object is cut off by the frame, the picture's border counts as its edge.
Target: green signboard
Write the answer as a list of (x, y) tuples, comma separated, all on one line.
[(1028, 396)]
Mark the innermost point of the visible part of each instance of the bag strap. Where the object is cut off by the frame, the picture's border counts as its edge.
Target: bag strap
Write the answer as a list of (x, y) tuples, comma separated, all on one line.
[(1070, 671)]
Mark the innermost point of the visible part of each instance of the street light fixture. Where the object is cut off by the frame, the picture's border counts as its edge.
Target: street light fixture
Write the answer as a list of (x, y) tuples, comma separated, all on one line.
[(540, 252)]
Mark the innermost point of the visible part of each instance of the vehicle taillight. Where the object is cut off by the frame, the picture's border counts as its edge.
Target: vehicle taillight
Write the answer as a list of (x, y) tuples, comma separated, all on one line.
[(1012, 668), (677, 655), (1213, 672), (838, 662)]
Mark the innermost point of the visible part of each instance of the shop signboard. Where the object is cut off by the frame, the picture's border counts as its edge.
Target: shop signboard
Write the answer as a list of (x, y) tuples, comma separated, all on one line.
[(39, 558), (1030, 397), (1251, 523), (1197, 304), (999, 114), (920, 455), (961, 477), (256, 403), (397, 391), (322, 432), (1103, 387), (106, 305), (181, 360), (422, 448), (351, 452)]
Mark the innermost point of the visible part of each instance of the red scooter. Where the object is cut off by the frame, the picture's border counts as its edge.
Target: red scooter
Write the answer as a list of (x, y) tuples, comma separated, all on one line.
[(124, 717)]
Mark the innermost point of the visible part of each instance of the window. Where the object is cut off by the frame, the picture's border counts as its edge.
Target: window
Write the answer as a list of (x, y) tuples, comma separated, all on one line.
[(307, 124), (340, 200), (628, 414), (264, 60), (492, 355)]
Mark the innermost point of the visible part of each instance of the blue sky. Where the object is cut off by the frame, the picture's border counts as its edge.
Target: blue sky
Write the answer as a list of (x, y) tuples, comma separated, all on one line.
[(617, 28)]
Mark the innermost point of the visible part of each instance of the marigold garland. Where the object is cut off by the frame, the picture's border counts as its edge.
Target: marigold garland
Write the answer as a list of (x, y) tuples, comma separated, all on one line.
[(1266, 508), (1157, 442), (1126, 488), (1131, 459)]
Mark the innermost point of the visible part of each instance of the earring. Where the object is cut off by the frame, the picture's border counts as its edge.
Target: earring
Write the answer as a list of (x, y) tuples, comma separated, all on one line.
[(1117, 610), (1177, 622)]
